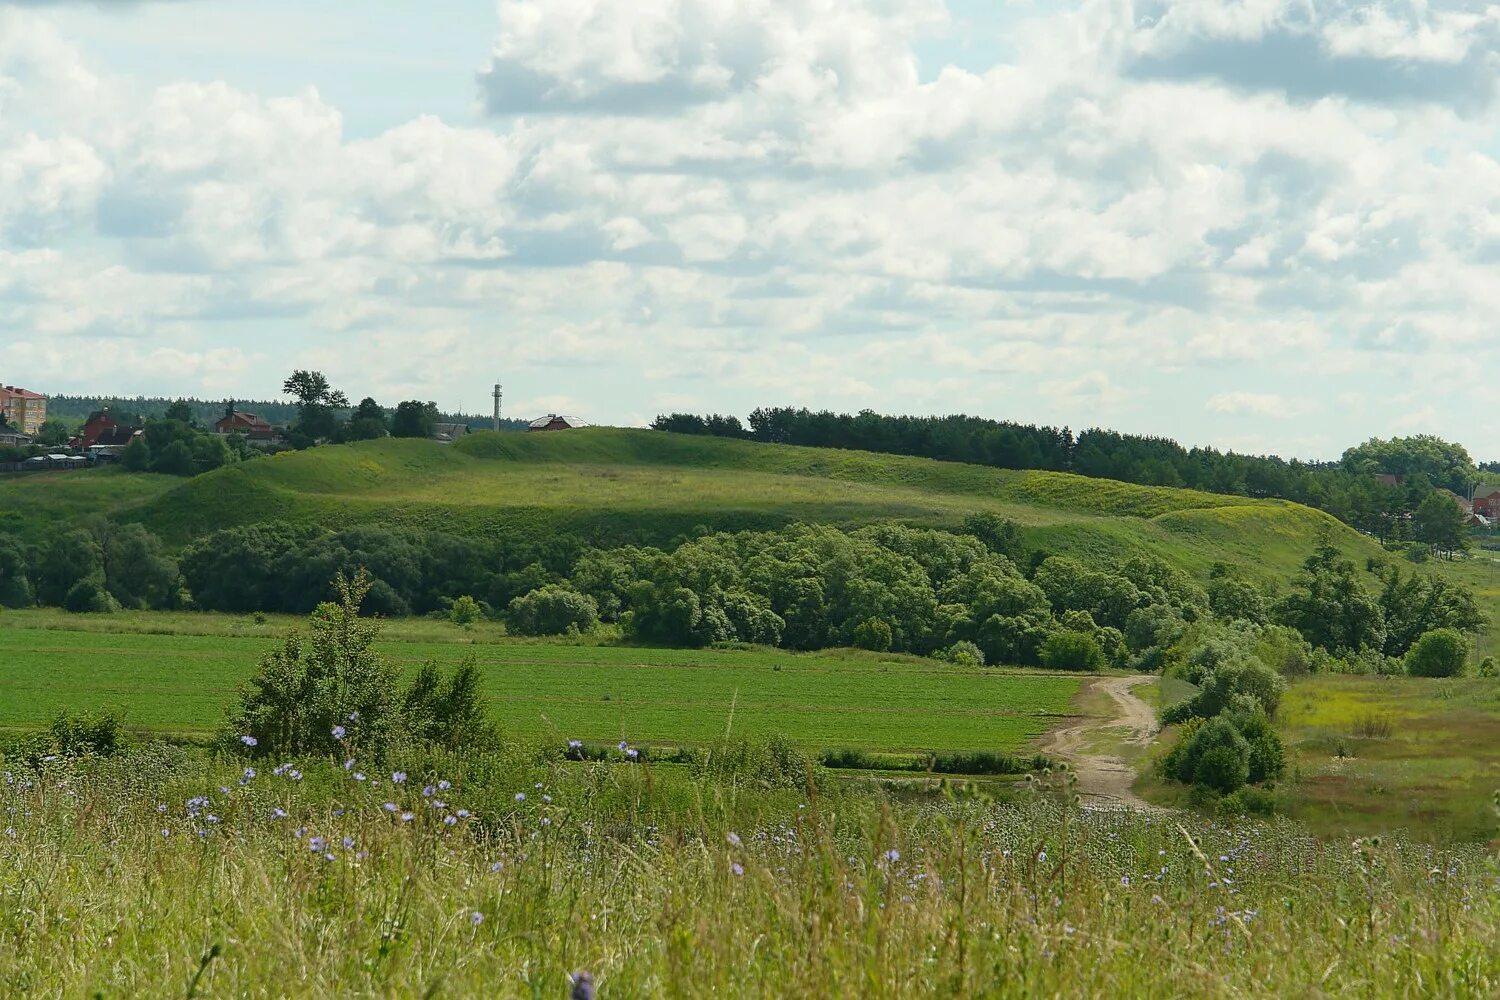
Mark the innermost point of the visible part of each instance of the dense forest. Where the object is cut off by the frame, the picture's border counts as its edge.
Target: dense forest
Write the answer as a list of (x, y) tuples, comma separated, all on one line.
[(1348, 489)]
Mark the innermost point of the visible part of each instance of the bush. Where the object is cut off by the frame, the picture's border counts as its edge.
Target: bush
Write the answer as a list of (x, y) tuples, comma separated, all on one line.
[(447, 712), (964, 654), (1196, 740), (1072, 651), (873, 634), (1439, 653), (1247, 801), (89, 596), (465, 611), (1223, 768), (553, 610), (1487, 667)]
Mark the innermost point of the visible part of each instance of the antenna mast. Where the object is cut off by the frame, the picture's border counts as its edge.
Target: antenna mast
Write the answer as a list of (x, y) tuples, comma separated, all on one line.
[(498, 394)]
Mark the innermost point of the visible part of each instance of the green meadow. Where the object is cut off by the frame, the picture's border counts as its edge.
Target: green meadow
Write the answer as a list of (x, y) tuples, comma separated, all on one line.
[(178, 682)]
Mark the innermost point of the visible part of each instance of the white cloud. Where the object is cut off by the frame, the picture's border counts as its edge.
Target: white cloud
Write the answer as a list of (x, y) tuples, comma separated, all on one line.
[(771, 199), (1257, 404)]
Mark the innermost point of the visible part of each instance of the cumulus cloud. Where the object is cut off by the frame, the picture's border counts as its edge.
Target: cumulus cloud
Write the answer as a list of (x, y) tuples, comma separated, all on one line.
[(779, 199)]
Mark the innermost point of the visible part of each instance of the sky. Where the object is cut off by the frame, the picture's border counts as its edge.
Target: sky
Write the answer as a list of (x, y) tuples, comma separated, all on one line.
[(1263, 225)]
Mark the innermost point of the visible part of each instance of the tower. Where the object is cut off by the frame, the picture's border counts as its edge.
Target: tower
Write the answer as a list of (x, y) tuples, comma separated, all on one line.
[(497, 405)]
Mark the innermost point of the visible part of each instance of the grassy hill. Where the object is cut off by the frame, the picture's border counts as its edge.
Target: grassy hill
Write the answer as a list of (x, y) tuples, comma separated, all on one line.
[(617, 486), (625, 485)]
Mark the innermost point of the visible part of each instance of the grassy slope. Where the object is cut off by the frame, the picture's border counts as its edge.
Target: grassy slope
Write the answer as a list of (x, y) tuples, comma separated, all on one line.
[(35, 505), (179, 682), (618, 485)]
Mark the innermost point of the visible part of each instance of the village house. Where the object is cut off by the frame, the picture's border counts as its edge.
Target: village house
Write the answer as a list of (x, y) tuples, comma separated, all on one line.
[(256, 430), (23, 409), (12, 438), (555, 422), (102, 428), (1486, 501)]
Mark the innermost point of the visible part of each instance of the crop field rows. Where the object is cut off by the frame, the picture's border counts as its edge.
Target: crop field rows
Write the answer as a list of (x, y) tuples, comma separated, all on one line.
[(179, 684)]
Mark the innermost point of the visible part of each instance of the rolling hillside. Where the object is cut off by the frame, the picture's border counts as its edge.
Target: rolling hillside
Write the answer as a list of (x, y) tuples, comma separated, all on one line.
[(617, 486)]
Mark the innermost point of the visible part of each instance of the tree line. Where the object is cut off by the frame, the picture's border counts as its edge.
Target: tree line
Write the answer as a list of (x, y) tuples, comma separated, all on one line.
[(1350, 489), (973, 597)]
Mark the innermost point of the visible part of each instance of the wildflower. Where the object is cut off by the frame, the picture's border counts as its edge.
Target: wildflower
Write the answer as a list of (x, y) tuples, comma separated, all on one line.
[(338, 814), (547, 799), (624, 746), (165, 832), (443, 786), (162, 808), (520, 796), (546, 820), (328, 856), (407, 817), (279, 813), (223, 790), (438, 804), (463, 814), (212, 818), (1156, 898), (349, 764), (497, 867), (348, 843), (449, 820), (353, 716), (633, 753), (736, 869), (476, 918), (398, 777), (338, 732), (389, 807), (537, 786), (249, 741), (893, 855), (1041, 856), (249, 775), (358, 776), (1125, 881), (299, 832), (733, 838), (575, 744), (295, 775), (316, 845), (429, 791)]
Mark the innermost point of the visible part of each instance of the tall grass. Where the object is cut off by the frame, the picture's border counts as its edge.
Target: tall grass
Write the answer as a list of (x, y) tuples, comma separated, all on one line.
[(660, 884)]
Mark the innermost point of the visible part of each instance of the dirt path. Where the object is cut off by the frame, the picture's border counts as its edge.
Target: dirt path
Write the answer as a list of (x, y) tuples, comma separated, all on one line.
[(1106, 778)]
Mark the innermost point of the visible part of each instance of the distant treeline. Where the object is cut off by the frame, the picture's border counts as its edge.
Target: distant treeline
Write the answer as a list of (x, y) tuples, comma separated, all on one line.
[(76, 409), (1349, 489)]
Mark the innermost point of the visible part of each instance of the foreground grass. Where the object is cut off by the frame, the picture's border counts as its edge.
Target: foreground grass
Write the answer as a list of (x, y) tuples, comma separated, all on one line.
[(175, 682), (674, 887)]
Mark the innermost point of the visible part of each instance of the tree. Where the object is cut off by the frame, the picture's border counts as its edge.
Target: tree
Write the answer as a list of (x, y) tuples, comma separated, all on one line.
[(553, 610), (1330, 607), (175, 460), (414, 419), (53, 433), (317, 402), (327, 693), (1440, 462), (1066, 650), (15, 586), (137, 456), (1441, 523), (367, 422), (137, 573), (65, 561), (1231, 599), (179, 411), (465, 611), (1439, 653)]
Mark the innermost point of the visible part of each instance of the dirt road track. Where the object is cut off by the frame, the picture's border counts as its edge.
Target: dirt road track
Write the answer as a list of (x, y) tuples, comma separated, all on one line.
[(1105, 779)]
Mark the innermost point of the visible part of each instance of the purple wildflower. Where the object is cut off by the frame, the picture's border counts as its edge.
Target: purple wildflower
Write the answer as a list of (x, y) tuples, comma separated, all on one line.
[(736, 869), (338, 732), (520, 796), (389, 807), (348, 843), (893, 855), (449, 820), (249, 741), (476, 918), (397, 777), (407, 817), (733, 838)]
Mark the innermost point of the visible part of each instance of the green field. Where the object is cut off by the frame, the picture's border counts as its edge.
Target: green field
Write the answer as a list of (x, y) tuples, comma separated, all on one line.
[(1377, 753), (166, 681)]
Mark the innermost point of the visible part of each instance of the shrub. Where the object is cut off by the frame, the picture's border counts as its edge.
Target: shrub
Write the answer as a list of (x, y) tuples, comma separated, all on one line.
[(1487, 667), (1247, 801), (1182, 763), (1072, 651), (448, 712), (465, 611), (1439, 653), (964, 654), (553, 610), (1223, 768), (873, 634), (89, 596), (333, 678)]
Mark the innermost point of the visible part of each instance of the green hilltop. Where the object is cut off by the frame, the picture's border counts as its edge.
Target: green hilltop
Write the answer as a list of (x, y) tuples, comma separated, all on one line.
[(614, 486)]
